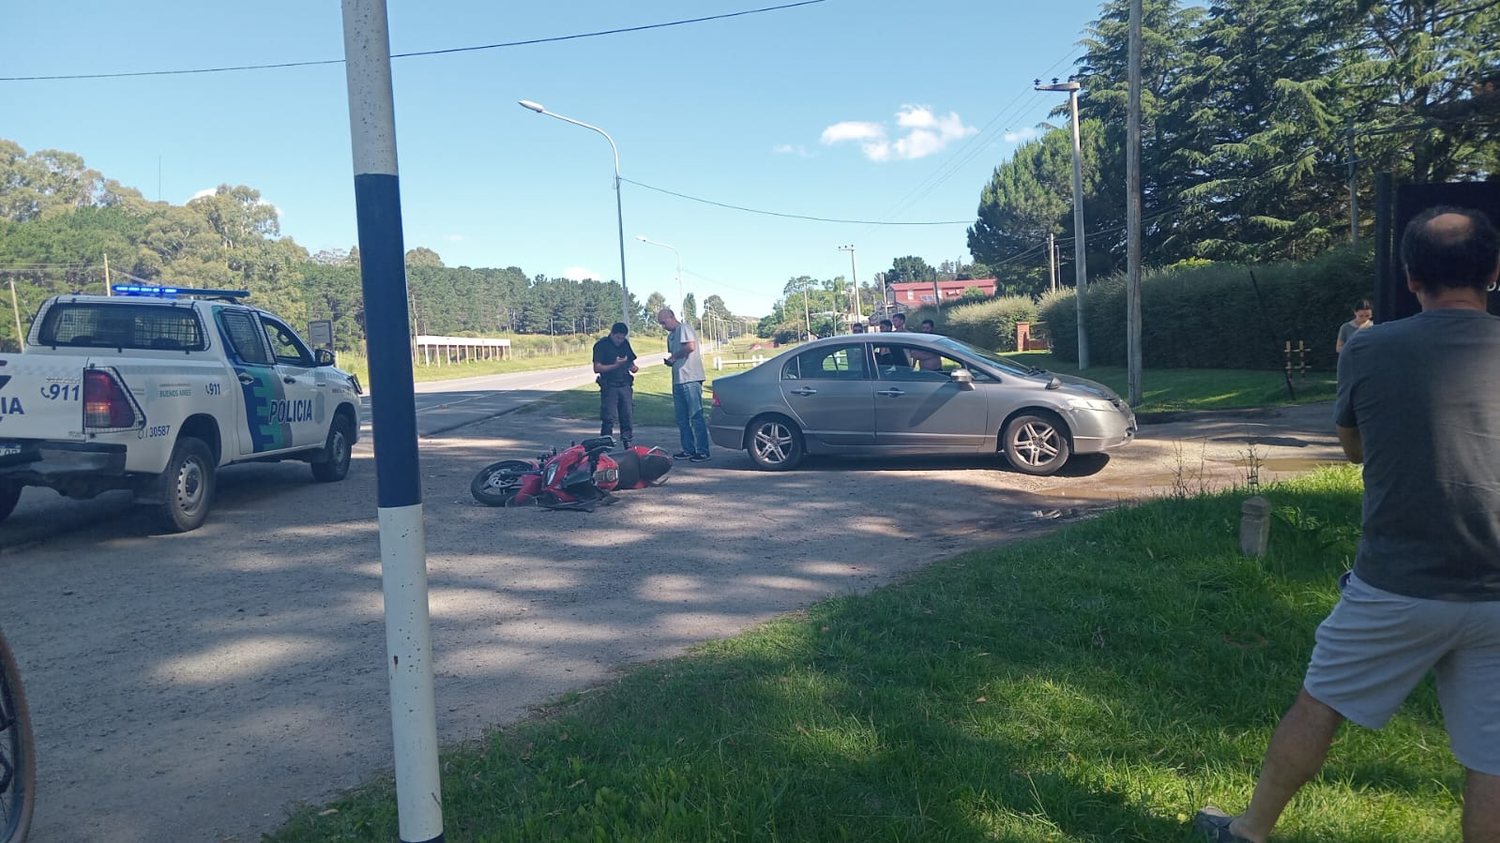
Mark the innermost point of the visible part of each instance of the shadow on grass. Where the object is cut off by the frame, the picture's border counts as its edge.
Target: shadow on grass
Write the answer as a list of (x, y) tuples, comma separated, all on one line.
[(1095, 685)]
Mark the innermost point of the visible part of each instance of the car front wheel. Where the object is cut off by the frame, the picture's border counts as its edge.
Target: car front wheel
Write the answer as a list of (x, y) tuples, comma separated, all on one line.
[(774, 443), (1036, 443)]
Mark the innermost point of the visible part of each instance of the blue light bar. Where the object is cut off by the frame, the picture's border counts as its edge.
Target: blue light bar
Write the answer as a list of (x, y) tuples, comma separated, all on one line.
[(173, 292)]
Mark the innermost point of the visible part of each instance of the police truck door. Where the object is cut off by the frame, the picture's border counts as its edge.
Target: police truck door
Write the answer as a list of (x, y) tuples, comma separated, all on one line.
[(302, 406)]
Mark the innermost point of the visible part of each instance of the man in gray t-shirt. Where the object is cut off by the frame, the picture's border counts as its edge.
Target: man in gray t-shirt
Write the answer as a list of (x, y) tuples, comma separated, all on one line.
[(687, 386), (1417, 405)]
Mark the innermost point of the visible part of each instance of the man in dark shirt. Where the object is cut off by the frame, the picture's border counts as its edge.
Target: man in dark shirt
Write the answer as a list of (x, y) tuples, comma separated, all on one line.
[(1417, 405), (614, 362)]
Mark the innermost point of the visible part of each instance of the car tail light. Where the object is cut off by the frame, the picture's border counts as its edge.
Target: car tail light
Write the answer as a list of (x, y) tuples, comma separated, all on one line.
[(716, 401), (105, 404)]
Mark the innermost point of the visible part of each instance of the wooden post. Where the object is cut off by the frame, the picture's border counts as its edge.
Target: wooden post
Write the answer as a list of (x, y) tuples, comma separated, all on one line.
[(108, 285)]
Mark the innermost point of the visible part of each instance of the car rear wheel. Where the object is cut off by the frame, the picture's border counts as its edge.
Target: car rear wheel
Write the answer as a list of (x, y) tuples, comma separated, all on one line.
[(774, 443), (1036, 443)]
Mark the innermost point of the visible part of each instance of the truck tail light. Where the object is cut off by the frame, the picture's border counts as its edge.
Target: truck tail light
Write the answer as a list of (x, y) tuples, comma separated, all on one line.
[(105, 404)]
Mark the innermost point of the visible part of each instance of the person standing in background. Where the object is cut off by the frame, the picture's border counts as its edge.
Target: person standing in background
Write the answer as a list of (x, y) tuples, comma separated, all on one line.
[(687, 386)]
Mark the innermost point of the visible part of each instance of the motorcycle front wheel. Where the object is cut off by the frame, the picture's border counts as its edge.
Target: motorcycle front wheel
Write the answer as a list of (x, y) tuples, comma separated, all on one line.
[(497, 482)]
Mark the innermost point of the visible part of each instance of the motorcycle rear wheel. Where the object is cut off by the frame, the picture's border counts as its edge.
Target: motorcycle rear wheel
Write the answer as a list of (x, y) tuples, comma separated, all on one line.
[(497, 482)]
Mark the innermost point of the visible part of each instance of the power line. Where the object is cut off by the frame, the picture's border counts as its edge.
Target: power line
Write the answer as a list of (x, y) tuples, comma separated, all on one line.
[(788, 216), (446, 51)]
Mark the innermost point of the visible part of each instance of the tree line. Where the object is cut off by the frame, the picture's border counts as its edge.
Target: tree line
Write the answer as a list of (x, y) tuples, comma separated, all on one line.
[(66, 228), (1252, 112)]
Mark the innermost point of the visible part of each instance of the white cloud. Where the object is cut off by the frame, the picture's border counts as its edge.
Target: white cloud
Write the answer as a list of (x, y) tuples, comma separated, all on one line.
[(926, 134), (579, 273), (790, 149), (1025, 134), (208, 191)]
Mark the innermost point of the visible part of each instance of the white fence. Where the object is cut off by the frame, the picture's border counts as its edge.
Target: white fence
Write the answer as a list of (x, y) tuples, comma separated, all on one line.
[(446, 350)]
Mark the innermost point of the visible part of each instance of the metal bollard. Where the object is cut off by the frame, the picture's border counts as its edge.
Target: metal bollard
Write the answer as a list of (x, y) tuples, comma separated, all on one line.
[(1255, 526)]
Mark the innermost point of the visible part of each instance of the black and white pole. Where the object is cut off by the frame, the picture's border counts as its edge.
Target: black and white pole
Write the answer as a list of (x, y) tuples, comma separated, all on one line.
[(403, 553)]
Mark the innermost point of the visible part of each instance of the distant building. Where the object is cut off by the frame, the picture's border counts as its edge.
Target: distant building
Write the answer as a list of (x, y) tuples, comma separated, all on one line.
[(910, 294)]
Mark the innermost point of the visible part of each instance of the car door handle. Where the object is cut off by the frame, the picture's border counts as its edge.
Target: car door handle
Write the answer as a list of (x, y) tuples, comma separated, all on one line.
[(288, 379), (892, 392), (805, 390), (247, 380)]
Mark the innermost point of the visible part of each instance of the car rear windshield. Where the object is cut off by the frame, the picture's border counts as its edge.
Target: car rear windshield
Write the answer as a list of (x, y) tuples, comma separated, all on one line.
[(107, 325)]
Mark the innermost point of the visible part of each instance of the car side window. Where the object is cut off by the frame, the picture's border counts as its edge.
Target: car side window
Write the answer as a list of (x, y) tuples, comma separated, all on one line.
[(911, 363), (285, 344), (840, 362), (245, 337)]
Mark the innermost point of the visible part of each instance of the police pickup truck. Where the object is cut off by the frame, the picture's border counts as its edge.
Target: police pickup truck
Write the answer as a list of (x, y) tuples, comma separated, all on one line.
[(153, 389)]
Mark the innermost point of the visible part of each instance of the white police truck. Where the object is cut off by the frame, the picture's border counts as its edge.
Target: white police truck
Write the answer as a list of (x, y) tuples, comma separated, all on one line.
[(154, 389)]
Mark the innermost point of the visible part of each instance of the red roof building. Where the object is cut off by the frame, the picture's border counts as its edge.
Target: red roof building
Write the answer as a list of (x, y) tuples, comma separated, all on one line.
[(910, 294)]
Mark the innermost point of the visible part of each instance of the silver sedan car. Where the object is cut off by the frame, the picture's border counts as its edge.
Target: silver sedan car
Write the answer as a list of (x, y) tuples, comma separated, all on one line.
[(909, 393)]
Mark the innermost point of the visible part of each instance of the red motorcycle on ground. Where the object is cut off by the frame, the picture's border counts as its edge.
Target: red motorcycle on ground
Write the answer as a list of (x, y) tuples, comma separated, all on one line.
[(581, 476)]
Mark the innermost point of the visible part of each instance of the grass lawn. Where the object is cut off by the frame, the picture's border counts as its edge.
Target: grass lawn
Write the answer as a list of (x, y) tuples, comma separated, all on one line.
[(1096, 685), (1197, 389), (359, 364)]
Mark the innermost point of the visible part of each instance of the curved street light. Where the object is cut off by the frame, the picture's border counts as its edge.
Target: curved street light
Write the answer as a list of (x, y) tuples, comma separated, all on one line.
[(681, 299), (619, 214)]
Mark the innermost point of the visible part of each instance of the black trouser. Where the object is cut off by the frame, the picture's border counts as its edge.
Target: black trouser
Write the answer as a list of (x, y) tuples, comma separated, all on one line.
[(616, 401)]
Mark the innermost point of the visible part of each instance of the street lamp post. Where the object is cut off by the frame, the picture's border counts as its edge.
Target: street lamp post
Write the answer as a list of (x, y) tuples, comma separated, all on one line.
[(619, 213), (1080, 265), (854, 276), (681, 299)]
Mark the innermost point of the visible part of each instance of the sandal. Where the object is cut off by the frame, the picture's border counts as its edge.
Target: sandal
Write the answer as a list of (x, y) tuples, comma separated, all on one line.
[(1214, 824)]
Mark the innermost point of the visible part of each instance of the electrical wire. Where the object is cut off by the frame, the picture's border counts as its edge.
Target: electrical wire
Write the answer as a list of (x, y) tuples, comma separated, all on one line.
[(418, 53), (786, 215)]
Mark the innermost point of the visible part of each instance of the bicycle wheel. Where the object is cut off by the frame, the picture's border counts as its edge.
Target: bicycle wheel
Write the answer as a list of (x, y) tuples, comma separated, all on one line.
[(17, 753)]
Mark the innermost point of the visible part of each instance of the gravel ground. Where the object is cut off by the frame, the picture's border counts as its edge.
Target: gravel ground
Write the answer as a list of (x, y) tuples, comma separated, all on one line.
[(197, 687)]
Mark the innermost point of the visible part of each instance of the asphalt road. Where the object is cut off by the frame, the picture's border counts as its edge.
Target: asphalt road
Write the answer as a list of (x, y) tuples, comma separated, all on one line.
[(198, 686)]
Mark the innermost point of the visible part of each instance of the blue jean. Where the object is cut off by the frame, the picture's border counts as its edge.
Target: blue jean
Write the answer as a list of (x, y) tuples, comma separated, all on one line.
[(687, 400)]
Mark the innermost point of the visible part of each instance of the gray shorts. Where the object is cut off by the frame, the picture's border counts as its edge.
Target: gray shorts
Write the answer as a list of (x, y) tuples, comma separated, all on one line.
[(1375, 646)]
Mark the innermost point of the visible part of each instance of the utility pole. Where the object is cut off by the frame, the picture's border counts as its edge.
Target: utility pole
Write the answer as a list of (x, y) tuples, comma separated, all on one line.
[(1051, 263), (1080, 262), (1133, 212), (403, 552), (15, 310), (854, 275), (806, 311), (108, 284)]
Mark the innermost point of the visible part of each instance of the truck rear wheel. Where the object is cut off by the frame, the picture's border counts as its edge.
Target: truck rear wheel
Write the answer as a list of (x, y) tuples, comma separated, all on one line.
[(187, 486), (9, 494)]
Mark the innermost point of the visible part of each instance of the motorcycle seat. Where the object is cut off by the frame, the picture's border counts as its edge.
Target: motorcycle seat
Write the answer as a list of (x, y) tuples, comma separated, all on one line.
[(630, 469)]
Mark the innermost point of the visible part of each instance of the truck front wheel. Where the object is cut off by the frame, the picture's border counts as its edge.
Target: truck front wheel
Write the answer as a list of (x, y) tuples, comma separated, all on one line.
[(9, 493), (187, 486), (337, 452)]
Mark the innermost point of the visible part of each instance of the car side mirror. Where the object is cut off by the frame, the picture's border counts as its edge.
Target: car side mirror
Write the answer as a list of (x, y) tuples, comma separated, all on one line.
[(324, 357), (962, 377)]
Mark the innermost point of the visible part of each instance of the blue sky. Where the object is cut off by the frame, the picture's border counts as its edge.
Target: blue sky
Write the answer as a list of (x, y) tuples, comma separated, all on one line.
[(870, 110)]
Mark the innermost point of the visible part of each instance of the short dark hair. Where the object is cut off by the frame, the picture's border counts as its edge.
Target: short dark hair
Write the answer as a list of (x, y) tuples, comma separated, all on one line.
[(901, 316), (887, 322), (1454, 256), (619, 328), (929, 322), (1363, 304)]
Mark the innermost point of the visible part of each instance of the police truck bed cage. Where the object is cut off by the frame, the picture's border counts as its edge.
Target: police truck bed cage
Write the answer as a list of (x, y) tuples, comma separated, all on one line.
[(174, 292)]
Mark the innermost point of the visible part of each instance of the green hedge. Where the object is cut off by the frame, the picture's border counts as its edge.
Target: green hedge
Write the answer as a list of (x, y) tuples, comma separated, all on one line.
[(1209, 317), (988, 324)]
